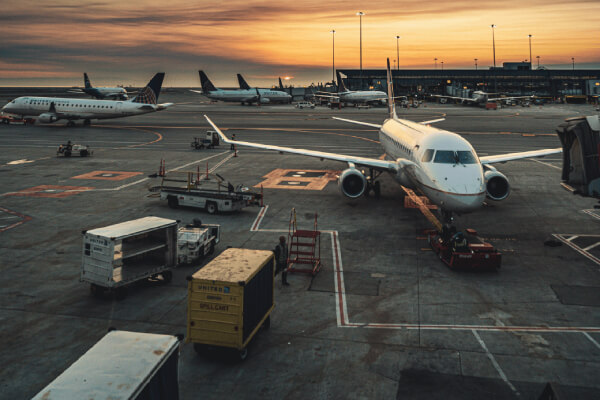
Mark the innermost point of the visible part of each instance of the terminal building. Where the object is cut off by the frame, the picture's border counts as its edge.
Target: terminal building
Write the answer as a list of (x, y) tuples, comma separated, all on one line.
[(512, 79)]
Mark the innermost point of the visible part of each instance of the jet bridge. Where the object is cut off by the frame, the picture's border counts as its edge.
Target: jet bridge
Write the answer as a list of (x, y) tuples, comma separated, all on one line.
[(580, 138)]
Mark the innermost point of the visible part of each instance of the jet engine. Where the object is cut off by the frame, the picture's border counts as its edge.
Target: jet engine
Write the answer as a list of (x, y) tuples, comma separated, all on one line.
[(47, 118), (264, 100), (496, 184), (352, 183)]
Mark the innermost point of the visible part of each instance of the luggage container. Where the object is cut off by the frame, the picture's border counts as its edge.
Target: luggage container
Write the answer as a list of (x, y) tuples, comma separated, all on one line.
[(122, 365), (230, 299), (117, 255)]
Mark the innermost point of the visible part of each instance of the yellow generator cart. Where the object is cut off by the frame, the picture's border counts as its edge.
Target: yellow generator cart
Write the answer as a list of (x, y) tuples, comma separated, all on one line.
[(230, 299)]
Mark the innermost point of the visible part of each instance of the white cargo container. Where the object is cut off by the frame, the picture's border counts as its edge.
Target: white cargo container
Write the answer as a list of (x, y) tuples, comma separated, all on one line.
[(122, 365), (120, 254)]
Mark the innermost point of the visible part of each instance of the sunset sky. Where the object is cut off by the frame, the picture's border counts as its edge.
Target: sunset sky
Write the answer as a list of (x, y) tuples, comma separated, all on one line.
[(120, 42)]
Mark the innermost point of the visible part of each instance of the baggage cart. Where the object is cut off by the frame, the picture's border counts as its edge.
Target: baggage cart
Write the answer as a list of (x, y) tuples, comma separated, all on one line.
[(118, 255), (122, 365), (230, 299), (477, 255)]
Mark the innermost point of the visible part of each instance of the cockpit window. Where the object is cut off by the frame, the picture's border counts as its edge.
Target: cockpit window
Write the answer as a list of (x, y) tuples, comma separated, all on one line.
[(444, 157), (455, 157), (466, 157), (428, 155)]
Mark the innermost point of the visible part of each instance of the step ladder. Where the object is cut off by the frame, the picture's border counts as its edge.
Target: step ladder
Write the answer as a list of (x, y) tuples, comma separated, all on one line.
[(304, 253)]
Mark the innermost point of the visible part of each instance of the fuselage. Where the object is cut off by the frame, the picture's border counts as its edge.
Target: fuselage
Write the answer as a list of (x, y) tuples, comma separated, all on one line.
[(363, 96), (442, 165), (249, 95), (106, 92), (73, 109)]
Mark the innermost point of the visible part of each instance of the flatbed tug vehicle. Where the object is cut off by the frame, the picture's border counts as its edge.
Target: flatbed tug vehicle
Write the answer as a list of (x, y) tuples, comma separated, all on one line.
[(69, 149), (210, 141), (475, 254), (212, 195)]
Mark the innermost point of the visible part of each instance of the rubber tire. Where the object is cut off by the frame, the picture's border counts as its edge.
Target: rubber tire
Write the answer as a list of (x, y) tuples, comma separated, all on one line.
[(83, 153), (243, 353), (212, 248), (211, 207), (200, 348), (67, 154), (173, 201), (267, 323), (167, 276), (87, 122), (377, 189)]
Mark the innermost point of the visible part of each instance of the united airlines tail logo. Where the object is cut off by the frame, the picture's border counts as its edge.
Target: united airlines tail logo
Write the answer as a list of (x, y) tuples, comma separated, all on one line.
[(146, 96)]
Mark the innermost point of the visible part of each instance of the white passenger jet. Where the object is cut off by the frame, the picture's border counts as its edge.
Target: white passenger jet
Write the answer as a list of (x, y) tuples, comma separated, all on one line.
[(244, 96), (481, 98), (440, 164), (354, 96), (101, 93), (280, 95), (52, 109)]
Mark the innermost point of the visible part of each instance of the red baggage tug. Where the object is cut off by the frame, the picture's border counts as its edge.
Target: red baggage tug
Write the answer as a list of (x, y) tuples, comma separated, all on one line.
[(477, 254)]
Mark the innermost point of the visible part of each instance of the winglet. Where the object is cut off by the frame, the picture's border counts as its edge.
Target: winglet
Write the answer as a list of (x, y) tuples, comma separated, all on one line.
[(243, 84), (205, 83), (149, 94), (216, 128), (390, 89)]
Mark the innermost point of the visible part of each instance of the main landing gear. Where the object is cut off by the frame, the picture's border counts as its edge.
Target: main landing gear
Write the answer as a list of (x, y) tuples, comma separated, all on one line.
[(373, 183)]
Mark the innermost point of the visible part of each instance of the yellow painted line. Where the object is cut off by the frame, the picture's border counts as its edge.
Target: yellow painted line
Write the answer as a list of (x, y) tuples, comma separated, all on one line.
[(424, 209), (158, 139)]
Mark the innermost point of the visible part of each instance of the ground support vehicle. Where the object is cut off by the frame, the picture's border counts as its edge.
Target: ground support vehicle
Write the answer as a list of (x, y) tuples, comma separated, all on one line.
[(122, 365), (305, 104), (212, 195), (197, 240), (67, 150), (118, 255), (478, 255), (9, 119), (210, 141), (230, 299)]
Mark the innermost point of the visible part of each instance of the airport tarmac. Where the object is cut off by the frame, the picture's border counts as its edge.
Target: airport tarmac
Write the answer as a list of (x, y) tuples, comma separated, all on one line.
[(384, 318)]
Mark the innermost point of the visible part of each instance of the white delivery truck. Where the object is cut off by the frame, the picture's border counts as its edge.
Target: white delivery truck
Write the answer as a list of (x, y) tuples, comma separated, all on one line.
[(122, 365), (118, 255)]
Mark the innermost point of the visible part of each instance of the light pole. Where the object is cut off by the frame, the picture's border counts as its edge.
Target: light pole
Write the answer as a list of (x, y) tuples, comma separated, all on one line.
[(394, 64), (494, 50), (398, 51), (333, 57), (435, 60), (442, 65), (475, 64), (573, 61), (538, 58), (360, 15), (530, 59)]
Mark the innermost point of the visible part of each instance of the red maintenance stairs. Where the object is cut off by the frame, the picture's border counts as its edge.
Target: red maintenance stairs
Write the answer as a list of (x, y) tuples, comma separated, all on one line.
[(305, 248)]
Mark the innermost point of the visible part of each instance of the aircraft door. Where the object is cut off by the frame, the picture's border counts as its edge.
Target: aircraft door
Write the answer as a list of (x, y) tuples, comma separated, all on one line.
[(119, 107)]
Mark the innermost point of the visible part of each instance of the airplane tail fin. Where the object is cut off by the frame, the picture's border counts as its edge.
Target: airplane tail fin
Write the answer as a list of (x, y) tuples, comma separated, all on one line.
[(206, 84), (243, 84), (280, 84), (390, 89), (149, 94), (86, 81), (341, 86)]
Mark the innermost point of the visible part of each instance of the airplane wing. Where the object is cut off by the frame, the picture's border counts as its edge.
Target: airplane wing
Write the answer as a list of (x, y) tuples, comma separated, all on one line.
[(502, 158), (368, 162), (432, 121), (327, 96), (197, 91), (358, 122), (510, 98)]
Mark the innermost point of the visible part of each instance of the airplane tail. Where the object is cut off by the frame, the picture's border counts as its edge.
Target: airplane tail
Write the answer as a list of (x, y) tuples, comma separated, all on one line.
[(86, 81), (280, 84), (390, 89), (243, 84), (206, 84), (149, 94), (341, 86)]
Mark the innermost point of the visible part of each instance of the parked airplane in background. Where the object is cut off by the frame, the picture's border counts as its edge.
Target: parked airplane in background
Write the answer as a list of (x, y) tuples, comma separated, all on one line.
[(440, 164), (354, 96), (480, 98), (281, 97), (101, 93), (51, 109), (244, 96)]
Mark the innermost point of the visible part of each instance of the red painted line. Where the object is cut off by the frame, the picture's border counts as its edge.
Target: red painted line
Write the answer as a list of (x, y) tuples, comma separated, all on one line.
[(555, 329), (24, 219), (259, 219)]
